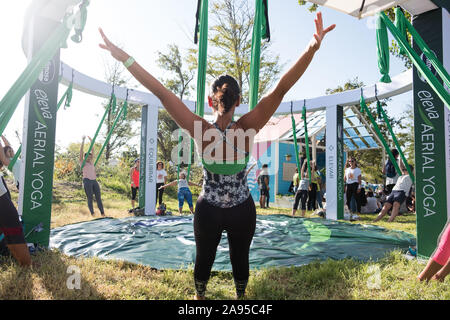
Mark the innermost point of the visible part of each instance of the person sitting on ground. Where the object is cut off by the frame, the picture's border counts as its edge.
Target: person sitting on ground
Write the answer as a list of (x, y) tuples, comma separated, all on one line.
[(438, 266), (373, 205), (398, 195), (10, 226), (411, 202), (134, 177), (302, 191), (9, 152), (184, 193), (91, 186)]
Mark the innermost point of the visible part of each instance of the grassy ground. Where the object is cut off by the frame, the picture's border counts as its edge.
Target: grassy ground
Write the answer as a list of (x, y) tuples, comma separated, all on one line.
[(393, 277)]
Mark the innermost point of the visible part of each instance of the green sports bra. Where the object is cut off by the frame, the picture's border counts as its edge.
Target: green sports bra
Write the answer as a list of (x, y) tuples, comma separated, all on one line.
[(228, 168)]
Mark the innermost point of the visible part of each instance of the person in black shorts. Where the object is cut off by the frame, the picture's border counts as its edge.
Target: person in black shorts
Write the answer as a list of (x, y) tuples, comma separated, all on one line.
[(398, 195)]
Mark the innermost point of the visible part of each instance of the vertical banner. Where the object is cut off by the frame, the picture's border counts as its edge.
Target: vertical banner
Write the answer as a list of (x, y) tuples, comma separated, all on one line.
[(151, 152), (446, 63), (430, 134), (39, 142), (334, 163), (143, 156)]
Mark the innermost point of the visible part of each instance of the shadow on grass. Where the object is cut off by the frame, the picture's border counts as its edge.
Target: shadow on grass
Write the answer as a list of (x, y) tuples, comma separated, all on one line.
[(50, 278)]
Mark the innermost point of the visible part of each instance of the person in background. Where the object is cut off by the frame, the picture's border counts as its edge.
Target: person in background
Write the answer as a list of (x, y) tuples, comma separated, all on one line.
[(321, 187), (398, 195), (302, 192), (438, 266), (134, 177), (411, 201), (161, 179), (373, 205), (295, 180), (91, 186), (184, 193), (390, 172), (352, 180), (263, 182), (10, 226), (9, 152), (313, 186)]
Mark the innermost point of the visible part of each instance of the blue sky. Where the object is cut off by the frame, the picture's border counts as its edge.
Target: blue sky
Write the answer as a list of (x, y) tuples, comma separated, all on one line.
[(142, 27)]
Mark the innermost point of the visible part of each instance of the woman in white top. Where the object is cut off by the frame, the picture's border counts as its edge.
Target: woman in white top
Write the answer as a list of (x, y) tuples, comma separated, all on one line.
[(398, 195), (161, 179), (184, 193), (352, 179)]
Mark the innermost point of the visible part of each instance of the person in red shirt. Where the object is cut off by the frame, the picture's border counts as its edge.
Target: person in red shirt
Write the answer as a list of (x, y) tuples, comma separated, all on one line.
[(134, 176)]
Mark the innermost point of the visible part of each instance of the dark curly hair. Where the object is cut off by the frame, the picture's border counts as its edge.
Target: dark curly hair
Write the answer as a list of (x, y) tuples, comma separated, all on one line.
[(229, 93)]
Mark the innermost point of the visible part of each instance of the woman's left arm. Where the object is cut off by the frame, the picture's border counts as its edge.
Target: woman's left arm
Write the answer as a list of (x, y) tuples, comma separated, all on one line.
[(5, 141), (258, 117)]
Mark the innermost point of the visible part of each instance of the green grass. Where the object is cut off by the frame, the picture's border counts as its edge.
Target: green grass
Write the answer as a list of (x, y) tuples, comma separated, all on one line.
[(100, 279)]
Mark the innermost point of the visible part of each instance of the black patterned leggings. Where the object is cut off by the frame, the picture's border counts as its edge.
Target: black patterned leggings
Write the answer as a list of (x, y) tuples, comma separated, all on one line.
[(209, 222)]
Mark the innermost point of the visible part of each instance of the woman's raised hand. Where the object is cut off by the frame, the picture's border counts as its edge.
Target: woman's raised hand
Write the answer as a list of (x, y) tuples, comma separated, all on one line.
[(320, 32), (115, 51)]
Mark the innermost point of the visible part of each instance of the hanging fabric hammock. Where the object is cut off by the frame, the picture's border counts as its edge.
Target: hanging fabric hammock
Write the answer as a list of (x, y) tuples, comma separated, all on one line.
[(112, 106), (120, 116)]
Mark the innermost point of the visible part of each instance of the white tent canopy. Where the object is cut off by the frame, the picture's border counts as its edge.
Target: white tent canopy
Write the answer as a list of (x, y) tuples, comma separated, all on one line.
[(364, 8)]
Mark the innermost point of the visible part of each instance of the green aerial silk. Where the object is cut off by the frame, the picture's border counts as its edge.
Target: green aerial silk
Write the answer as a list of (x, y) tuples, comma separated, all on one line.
[(68, 97), (112, 106), (383, 50), (294, 134), (202, 58), (394, 138), (31, 73), (365, 109), (306, 142), (81, 23), (420, 65), (122, 114), (400, 23), (428, 53), (260, 31), (201, 29)]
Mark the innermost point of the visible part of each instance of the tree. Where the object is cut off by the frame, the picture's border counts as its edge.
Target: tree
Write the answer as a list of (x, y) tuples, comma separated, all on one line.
[(230, 42), (173, 62), (126, 127)]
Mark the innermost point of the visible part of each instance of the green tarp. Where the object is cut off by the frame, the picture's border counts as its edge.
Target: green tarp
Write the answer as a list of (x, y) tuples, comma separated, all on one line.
[(280, 240)]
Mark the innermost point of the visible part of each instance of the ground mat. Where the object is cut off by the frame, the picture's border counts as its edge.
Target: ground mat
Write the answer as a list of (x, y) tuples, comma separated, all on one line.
[(280, 240)]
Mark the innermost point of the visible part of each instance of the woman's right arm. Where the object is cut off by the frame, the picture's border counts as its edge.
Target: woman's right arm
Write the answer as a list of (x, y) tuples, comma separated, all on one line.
[(176, 108)]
